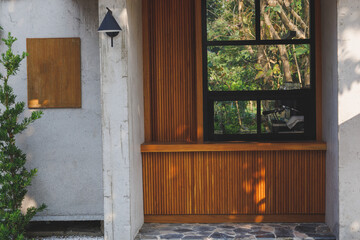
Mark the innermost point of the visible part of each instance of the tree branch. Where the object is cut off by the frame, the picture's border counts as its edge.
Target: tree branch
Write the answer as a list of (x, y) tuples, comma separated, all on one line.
[(282, 48), (291, 26)]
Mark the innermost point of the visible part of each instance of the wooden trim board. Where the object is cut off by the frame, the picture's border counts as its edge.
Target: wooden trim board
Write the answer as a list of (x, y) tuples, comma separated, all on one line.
[(199, 73), (222, 147), (147, 70), (320, 218)]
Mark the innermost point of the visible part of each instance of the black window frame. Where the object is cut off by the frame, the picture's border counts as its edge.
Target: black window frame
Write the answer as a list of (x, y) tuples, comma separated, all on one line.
[(307, 96)]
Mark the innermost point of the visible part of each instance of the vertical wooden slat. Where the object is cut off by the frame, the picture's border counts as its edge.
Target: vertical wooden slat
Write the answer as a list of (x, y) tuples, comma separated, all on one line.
[(271, 182), (147, 69), (199, 73)]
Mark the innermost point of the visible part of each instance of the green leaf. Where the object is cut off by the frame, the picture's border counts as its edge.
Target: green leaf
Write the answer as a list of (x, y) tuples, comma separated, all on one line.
[(259, 75), (277, 8), (258, 67), (301, 50)]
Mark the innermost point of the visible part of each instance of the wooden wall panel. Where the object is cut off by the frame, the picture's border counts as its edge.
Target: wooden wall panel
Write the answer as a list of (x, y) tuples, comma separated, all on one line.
[(168, 180), (316, 183), (232, 183), (291, 182), (170, 71), (279, 183), (54, 73)]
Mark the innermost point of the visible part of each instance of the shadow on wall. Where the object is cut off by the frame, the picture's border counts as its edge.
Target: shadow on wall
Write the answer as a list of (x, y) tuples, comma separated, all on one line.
[(88, 16), (349, 49)]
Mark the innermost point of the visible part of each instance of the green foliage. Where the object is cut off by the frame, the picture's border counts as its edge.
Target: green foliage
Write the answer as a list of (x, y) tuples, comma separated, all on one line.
[(14, 177), (230, 20), (238, 117)]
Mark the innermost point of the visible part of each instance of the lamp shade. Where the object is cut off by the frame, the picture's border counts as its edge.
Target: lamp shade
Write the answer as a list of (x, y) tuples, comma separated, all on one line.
[(109, 24)]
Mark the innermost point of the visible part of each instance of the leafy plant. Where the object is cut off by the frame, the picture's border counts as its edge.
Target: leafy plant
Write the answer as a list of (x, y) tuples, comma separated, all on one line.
[(14, 177)]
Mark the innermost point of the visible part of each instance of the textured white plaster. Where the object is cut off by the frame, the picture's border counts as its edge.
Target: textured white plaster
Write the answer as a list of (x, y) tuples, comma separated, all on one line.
[(122, 121), (349, 118), (136, 116), (65, 145)]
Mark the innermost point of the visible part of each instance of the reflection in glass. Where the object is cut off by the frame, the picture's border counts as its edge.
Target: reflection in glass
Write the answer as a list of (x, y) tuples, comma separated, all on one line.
[(235, 117), (230, 20), (263, 67), (282, 117), (285, 19)]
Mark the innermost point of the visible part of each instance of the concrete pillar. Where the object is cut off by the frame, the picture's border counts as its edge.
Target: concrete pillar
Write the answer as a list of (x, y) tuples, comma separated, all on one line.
[(330, 110), (122, 120)]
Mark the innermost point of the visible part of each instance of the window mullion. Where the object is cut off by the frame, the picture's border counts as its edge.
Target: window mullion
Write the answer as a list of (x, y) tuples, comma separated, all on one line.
[(258, 116)]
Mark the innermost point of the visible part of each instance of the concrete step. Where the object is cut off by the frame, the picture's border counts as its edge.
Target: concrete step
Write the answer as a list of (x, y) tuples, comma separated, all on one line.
[(227, 231)]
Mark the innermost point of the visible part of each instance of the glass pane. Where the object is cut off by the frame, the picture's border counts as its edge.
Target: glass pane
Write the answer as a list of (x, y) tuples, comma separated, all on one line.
[(285, 19), (250, 68), (235, 117), (230, 20), (282, 117)]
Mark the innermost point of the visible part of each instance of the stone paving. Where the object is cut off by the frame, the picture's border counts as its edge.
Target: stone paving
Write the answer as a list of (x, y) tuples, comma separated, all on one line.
[(225, 231)]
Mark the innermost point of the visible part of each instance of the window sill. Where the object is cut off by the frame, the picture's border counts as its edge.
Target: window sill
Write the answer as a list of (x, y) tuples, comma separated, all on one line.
[(233, 146)]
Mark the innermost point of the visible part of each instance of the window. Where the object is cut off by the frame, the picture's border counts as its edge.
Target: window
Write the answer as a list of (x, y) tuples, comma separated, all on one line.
[(259, 70)]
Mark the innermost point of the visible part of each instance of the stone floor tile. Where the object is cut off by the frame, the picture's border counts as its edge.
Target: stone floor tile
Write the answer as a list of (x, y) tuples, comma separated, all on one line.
[(230, 231)]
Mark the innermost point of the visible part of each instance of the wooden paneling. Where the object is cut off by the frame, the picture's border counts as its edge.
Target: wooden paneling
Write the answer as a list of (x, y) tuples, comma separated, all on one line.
[(199, 73), (234, 183), (173, 81), (170, 71), (146, 69), (231, 147), (169, 182), (54, 73), (186, 180), (300, 177)]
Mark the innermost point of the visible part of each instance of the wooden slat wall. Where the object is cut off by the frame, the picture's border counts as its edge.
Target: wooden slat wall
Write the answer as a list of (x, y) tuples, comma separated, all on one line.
[(234, 183), (240, 183), (54, 73), (170, 70)]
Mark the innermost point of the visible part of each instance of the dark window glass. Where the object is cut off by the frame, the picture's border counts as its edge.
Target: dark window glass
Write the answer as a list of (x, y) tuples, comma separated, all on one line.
[(285, 19), (230, 20), (282, 117), (259, 67), (235, 117), (259, 79)]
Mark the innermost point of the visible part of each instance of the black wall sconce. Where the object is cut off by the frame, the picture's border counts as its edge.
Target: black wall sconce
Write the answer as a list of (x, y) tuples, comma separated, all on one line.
[(110, 26)]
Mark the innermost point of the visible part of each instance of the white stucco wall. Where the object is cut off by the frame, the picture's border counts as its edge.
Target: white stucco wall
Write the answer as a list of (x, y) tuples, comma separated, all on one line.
[(330, 110), (349, 118), (65, 145), (122, 120)]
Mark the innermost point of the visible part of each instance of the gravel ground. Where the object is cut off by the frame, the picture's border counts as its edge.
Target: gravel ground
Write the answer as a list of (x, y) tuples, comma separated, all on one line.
[(72, 238)]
